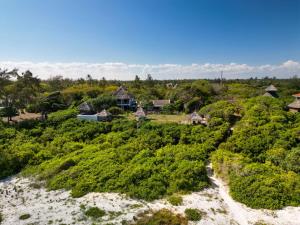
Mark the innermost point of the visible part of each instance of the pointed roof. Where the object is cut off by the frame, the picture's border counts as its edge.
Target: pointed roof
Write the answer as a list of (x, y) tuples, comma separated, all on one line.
[(295, 104), (122, 93), (195, 116), (271, 88), (140, 112), (85, 108), (104, 113)]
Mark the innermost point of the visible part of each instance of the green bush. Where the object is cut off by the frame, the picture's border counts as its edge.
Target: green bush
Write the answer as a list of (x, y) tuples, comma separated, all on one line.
[(161, 217), (94, 212), (24, 217), (175, 200), (193, 214), (1, 217)]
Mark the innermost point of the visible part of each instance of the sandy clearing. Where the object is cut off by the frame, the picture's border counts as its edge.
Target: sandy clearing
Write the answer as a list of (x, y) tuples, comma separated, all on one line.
[(18, 197)]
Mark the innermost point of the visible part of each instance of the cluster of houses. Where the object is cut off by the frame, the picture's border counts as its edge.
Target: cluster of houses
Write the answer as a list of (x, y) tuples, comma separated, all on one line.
[(271, 91), (126, 101)]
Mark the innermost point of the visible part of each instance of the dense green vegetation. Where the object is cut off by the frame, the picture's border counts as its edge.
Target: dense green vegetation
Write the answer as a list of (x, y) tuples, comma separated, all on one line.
[(259, 157), (148, 162)]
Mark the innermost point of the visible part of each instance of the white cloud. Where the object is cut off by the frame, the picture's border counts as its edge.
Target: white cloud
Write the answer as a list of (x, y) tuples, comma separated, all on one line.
[(123, 71)]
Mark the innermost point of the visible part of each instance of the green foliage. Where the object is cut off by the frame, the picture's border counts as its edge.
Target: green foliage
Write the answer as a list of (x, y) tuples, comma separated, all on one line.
[(192, 214), (260, 160), (24, 217), (175, 200), (115, 110), (162, 217), (94, 212), (103, 102), (1, 217)]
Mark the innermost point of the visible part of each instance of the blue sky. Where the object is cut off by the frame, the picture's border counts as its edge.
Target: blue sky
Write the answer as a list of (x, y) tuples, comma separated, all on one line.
[(252, 32)]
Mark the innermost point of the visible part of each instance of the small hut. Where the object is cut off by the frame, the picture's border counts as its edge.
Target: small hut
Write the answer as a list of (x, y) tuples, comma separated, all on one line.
[(104, 116), (160, 103), (195, 118), (140, 114), (295, 105), (271, 91), (86, 109)]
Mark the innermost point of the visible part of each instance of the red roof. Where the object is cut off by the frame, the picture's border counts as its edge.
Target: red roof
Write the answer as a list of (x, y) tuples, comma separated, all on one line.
[(297, 95)]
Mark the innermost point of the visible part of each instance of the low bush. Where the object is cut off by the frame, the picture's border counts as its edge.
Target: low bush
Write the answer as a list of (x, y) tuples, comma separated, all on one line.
[(175, 200), (24, 217), (162, 217), (193, 214), (94, 212), (1, 218)]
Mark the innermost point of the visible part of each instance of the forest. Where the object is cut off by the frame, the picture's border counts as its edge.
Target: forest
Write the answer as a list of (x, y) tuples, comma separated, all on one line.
[(253, 141)]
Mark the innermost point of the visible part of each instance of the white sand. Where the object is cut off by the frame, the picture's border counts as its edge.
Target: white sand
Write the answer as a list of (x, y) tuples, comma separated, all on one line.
[(17, 197)]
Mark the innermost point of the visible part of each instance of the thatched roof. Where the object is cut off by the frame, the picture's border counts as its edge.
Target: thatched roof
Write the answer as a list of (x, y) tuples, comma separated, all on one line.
[(195, 116), (104, 113), (122, 93), (271, 88), (140, 113), (85, 108), (161, 102), (295, 104)]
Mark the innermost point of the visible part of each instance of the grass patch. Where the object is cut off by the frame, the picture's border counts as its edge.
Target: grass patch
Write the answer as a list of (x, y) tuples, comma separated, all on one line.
[(175, 200), (24, 217), (193, 214), (94, 212), (162, 217)]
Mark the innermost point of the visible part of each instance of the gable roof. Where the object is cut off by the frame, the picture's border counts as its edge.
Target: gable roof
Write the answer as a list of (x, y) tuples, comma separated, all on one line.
[(271, 88), (122, 93), (161, 102), (104, 113)]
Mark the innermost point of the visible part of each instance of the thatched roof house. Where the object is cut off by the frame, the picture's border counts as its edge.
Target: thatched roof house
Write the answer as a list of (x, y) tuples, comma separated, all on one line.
[(125, 100), (271, 91), (86, 108), (160, 103), (295, 105), (195, 118)]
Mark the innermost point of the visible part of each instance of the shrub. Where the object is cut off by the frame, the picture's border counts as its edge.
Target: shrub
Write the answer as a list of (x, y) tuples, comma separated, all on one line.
[(175, 200), (1, 218), (162, 217), (24, 217), (115, 110), (94, 212), (193, 214)]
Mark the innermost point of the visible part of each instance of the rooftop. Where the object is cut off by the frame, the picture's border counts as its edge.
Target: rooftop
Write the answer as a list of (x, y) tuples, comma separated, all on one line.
[(161, 102), (295, 104), (271, 88), (122, 93), (297, 95)]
